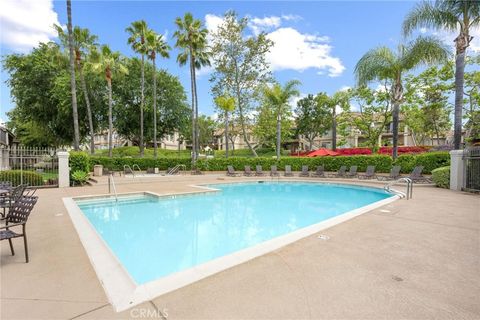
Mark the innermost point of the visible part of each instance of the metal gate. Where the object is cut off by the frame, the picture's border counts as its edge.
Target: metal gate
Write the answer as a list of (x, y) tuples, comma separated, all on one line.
[(471, 156), (30, 166)]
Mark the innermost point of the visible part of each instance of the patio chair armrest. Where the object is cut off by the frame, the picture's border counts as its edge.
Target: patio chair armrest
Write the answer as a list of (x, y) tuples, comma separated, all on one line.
[(11, 225)]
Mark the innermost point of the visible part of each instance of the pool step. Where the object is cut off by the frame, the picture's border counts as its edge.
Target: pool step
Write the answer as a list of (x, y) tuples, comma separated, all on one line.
[(91, 181)]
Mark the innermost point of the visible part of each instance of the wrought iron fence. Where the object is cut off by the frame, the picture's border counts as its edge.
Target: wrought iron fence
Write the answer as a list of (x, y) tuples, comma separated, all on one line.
[(30, 166), (471, 156)]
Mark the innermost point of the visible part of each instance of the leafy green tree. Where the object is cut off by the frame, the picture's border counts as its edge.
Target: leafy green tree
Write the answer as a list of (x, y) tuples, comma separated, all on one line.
[(313, 119), (426, 108), (341, 101), (383, 64), (279, 98), (138, 31), (171, 105), (265, 126), (226, 104), (109, 63), (76, 130), (82, 42), (155, 44), (192, 40), (375, 111), (452, 15), (36, 80), (241, 68)]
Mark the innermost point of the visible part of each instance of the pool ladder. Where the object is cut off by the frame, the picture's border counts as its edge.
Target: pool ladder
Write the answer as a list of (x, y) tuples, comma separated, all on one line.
[(128, 169), (111, 185), (409, 182), (176, 169)]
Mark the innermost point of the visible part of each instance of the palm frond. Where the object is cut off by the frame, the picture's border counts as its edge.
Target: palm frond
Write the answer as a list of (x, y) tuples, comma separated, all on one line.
[(427, 15), (424, 50), (378, 63)]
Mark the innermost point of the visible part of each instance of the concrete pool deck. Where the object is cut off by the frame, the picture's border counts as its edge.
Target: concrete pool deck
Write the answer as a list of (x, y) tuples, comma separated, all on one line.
[(410, 259)]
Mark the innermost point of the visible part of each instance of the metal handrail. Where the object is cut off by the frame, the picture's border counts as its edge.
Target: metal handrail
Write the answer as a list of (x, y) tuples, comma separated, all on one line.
[(409, 182), (176, 169), (111, 183), (126, 166), (136, 166)]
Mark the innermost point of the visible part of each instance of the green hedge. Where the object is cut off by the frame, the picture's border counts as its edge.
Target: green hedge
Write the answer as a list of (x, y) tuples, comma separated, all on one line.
[(429, 160), (17, 177), (383, 163), (79, 161), (117, 164), (441, 177)]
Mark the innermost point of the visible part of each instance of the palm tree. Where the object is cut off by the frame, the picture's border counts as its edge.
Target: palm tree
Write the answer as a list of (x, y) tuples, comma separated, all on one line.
[(383, 64), (138, 31), (227, 104), (452, 15), (76, 130), (155, 44), (108, 62), (82, 41), (192, 38), (279, 98)]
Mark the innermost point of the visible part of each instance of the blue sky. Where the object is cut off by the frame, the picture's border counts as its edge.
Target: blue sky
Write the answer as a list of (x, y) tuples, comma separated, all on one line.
[(317, 43)]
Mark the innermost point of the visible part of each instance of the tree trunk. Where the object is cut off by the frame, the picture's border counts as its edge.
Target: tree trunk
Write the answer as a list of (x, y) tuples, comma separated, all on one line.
[(141, 105), (197, 129), (76, 130), (89, 110), (194, 158), (226, 134), (395, 115), (240, 109), (279, 135), (110, 120), (334, 128), (310, 147), (459, 79), (154, 110)]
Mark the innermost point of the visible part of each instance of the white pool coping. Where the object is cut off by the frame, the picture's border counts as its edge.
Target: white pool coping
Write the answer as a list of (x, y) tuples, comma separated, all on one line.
[(122, 291)]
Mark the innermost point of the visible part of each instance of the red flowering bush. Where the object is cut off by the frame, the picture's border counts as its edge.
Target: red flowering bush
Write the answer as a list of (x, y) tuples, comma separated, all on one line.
[(402, 150), (353, 151)]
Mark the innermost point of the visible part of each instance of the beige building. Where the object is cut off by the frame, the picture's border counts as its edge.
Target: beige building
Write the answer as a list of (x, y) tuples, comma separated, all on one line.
[(169, 142)]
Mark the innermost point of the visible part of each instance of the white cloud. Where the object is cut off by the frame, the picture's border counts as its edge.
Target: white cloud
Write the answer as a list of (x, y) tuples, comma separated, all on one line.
[(449, 37), (292, 50), (25, 23), (297, 51)]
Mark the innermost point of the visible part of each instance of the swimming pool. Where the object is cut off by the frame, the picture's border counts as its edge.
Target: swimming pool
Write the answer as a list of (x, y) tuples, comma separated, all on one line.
[(155, 238)]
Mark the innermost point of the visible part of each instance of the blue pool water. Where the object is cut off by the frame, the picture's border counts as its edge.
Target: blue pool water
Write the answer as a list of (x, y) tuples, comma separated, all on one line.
[(154, 237)]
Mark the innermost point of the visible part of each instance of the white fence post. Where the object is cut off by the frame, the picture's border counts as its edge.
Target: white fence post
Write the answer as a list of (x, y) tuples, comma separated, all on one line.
[(63, 169), (457, 170)]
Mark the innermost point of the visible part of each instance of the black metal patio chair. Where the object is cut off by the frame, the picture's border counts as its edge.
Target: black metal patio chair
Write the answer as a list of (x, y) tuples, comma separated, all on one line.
[(319, 173), (17, 217), (304, 172), (288, 171), (369, 174), (274, 171)]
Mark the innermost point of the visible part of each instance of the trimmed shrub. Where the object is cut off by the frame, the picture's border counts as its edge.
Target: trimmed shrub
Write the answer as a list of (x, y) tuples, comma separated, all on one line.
[(441, 177), (116, 164), (430, 161), (17, 177), (383, 163), (79, 161), (403, 149)]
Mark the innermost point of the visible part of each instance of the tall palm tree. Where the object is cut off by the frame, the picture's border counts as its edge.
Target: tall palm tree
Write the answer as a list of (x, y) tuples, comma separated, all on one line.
[(76, 130), (155, 44), (452, 15), (227, 104), (108, 62), (279, 98), (192, 39), (83, 40), (138, 31), (383, 64)]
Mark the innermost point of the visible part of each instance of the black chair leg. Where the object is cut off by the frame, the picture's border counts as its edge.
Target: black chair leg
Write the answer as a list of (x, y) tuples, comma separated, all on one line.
[(26, 247), (11, 246)]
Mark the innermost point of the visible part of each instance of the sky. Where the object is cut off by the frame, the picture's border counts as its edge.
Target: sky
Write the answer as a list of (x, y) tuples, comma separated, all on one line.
[(316, 42)]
